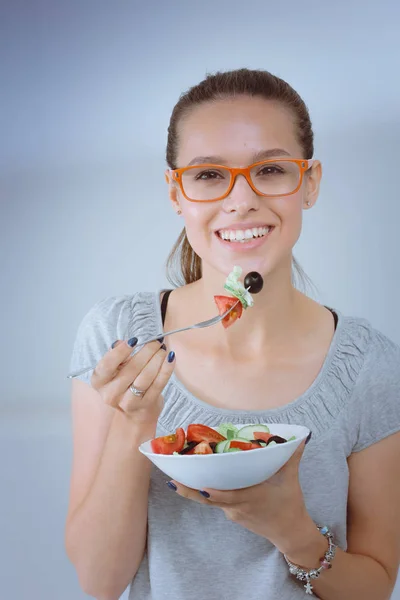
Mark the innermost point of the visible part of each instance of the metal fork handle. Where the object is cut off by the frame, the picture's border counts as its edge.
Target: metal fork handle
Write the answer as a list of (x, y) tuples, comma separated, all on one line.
[(200, 325)]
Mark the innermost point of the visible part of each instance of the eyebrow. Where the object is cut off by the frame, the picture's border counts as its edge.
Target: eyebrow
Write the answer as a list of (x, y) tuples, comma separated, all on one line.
[(262, 155)]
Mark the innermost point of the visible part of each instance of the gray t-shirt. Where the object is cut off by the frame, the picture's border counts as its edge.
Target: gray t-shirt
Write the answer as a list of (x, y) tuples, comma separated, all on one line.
[(193, 550)]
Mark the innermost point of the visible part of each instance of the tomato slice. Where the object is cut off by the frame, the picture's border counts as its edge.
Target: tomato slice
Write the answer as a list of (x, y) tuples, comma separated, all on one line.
[(244, 445), (168, 444), (202, 448), (202, 433), (224, 303), (262, 435)]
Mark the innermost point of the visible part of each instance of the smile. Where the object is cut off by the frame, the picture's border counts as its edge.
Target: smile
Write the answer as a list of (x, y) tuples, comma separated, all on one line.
[(243, 236)]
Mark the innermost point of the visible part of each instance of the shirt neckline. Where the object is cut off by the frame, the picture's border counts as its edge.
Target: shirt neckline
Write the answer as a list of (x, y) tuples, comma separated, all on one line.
[(311, 390)]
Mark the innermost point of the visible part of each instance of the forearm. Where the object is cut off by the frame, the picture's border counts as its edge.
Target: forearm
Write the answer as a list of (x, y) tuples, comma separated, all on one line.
[(106, 535), (351, 576)]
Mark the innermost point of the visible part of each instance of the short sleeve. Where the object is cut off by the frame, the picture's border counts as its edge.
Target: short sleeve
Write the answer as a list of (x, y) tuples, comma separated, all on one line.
[(107, 321), (374, 407)]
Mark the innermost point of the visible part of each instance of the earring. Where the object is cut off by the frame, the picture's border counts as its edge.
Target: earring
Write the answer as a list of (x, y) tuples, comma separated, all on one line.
[(308, 203), (179, 212)]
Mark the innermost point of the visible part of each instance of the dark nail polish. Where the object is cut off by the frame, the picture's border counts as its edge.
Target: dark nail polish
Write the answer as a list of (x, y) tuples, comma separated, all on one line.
[(171, 486), (171, 356), (205, 494), (132, 342), (308, 438), (160, 339), (163, 347), (114, 344)]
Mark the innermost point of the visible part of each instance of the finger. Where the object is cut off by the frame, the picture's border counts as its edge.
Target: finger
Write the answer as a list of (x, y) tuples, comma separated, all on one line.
[(143, 382), (149, 373), (163, 376), (108, 365), (188, 493), (126, 373), (232, 497), (153, 393)]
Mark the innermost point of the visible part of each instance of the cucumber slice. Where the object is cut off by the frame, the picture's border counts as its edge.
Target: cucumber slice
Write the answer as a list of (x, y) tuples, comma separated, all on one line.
[(272, 444), (220, 447), (248, 431), (225, 427), (291, 438)]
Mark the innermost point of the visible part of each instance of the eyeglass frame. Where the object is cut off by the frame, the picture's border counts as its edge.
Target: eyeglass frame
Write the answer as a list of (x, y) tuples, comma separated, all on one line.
[(176, 175)]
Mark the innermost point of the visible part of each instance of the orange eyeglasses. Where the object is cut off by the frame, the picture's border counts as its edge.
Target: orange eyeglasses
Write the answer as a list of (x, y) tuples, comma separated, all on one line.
[(271, 178)]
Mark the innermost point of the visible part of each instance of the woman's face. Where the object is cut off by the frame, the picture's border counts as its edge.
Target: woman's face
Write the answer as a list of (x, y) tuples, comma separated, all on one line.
[(236, 130)]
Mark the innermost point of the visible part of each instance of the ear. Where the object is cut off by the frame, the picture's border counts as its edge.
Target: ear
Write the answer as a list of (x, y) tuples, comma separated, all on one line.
[(313, 180), (172, 192)]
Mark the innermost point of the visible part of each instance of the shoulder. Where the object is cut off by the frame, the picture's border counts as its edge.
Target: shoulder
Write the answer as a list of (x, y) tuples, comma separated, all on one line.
[(117, 312), (113, 318), (378, 351), (373, 410), (381, 353)]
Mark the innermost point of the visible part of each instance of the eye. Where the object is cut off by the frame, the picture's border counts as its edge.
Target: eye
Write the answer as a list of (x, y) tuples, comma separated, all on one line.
[(208, 175), (271, 170)]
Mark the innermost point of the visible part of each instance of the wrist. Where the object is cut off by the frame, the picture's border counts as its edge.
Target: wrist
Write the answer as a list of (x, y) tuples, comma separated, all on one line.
[(136, 431), (306, 545)]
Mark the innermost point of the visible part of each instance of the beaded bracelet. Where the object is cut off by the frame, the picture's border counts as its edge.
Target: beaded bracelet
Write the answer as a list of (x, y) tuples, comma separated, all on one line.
[(325, 562)]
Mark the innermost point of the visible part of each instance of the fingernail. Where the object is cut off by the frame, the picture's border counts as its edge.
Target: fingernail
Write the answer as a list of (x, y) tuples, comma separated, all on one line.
[(163, 347), (205, 494), (308, 438), (132, 342), (160, 339), (171, 356), (171, 486), (114, 344)]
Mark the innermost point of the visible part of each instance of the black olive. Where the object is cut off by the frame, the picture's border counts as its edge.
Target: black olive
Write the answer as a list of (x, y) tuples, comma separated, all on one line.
[(254, 281), (276, 438), (188, 447)]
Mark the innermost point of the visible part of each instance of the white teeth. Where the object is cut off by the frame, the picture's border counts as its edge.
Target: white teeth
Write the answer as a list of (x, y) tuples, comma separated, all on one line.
[(240, 235)]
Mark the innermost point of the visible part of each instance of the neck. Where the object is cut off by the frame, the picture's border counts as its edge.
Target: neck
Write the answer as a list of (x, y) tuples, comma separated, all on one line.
[(265, 325)]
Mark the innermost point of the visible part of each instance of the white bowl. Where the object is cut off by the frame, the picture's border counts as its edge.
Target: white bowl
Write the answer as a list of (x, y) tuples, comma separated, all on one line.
[(233, 470)]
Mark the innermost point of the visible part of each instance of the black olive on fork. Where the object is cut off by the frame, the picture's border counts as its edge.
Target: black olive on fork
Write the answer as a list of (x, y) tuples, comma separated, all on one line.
[(254, 282)]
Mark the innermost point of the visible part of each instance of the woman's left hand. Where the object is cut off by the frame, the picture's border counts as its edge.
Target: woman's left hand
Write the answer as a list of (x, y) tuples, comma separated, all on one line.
[(274, 509)]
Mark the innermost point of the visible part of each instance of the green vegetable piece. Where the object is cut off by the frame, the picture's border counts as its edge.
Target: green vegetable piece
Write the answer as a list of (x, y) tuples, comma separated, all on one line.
[(291, 439), (225, 427)]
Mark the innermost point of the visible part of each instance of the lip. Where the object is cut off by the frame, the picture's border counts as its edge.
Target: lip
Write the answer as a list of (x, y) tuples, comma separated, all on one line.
[(243, 226), (244, 246)]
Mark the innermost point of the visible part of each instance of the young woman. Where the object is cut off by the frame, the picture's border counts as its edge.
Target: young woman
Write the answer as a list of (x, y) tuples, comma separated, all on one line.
[(288, 360)]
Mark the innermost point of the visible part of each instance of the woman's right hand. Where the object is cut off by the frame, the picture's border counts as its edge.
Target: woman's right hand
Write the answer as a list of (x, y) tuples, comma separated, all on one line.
[(148, 370)]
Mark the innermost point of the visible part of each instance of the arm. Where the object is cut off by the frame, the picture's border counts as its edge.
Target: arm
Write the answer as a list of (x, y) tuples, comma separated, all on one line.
[(369, 568), (107, 518)]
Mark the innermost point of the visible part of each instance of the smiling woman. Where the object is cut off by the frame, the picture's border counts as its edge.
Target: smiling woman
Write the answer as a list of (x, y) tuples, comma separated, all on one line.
[(241, 173)]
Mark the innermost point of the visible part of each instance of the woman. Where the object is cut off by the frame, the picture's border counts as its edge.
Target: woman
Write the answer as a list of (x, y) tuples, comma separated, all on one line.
[(288, 360)]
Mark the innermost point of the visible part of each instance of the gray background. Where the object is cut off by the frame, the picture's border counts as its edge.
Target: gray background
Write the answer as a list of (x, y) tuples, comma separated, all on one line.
[(86, 92)]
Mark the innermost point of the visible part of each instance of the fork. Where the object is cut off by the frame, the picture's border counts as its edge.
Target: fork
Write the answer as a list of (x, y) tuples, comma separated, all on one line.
[(200, 325)]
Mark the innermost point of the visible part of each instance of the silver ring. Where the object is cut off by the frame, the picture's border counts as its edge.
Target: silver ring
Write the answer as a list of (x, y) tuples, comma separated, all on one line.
[(137, 392)]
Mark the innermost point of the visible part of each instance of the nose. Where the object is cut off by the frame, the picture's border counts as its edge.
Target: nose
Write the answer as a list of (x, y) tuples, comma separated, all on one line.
[(241, 199)]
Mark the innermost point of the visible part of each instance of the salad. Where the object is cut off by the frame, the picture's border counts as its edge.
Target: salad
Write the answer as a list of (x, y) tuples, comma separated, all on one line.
[(201, 439), (252, 282)]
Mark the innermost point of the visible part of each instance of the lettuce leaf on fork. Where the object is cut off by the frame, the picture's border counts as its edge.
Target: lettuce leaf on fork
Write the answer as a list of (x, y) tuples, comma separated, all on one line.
[(237, 289)]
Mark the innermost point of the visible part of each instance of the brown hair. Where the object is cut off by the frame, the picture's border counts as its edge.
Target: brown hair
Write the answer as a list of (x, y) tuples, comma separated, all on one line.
[(183, 264)]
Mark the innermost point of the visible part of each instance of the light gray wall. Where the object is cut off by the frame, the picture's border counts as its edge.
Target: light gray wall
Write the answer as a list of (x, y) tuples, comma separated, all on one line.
[(86, 91)]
